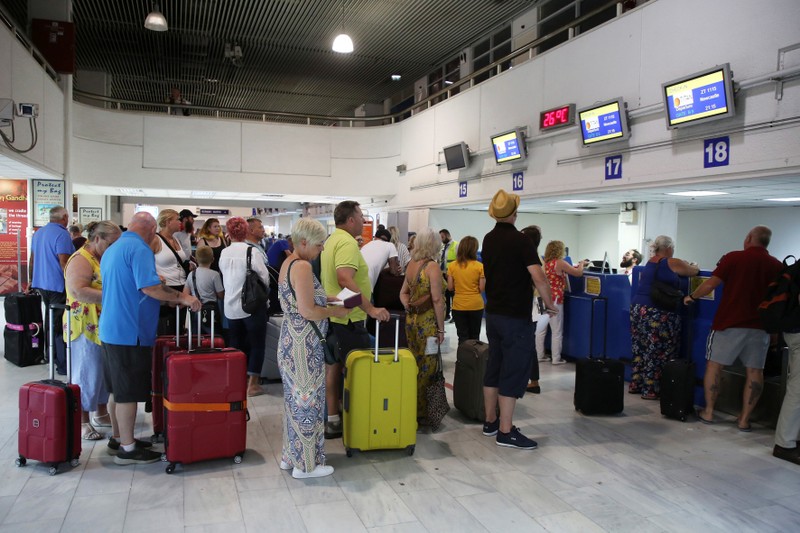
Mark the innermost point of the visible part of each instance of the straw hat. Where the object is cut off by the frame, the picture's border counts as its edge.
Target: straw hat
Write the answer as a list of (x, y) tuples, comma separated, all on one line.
[(503, 204)]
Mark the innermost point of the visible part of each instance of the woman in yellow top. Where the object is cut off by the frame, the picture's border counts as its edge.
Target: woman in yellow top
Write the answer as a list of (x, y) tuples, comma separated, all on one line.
[(84, 285), (465, 277)]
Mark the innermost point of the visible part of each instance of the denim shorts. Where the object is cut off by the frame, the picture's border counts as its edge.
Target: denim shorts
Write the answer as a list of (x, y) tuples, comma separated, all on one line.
[(510, 354)]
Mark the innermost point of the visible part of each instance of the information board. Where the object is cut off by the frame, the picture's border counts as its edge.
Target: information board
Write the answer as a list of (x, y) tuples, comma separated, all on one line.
[(47, 194)]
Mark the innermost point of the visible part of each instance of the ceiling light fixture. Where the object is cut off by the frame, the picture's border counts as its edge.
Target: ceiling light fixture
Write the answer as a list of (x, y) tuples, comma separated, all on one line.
[(576, 201), (342, 43), (396, 77), (793, 199), (697, 193), (155, 21)]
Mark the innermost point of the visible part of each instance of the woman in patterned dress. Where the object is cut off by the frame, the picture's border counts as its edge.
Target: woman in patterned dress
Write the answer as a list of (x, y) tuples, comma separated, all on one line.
[(423, 298), (84, 285), (655, 333), (301, 357)]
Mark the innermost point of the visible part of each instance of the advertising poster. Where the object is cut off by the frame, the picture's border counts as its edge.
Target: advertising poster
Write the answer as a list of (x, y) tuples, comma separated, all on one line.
[(13, 220), (46, 195)]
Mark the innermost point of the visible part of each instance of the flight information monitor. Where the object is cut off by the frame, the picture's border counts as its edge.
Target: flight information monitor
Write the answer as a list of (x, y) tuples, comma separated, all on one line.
[(509, 146), (602, 122), (701, 97)]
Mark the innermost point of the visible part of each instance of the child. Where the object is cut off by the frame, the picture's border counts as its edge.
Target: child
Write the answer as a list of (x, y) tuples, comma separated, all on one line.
[(206, 285)]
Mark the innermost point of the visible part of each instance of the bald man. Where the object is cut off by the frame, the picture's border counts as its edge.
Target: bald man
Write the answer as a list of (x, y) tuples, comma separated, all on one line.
[(736, 331), (132, 291)]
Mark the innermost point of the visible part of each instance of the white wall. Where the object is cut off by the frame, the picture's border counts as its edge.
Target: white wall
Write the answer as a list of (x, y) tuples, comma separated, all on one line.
[(630, 57), (23, 80), (699, 237)]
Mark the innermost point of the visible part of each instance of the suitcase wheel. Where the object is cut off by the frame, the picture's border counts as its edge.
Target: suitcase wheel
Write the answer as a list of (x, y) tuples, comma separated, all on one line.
[(75, 462), (157, 437), (21, 461), (170, 468), (410, 449), (349, 452), (237, 459), (53, 470)]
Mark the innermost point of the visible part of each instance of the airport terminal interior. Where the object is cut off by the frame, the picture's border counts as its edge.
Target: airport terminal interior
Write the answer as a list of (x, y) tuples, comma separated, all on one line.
[(615, 122)]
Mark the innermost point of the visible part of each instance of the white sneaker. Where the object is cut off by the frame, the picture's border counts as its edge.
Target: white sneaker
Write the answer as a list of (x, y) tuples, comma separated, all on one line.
[(545, 358), (319, 471), (558, 362), (285, 466)]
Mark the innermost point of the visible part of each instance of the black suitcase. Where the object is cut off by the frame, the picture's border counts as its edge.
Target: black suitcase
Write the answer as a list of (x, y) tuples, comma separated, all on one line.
[(468, 381), (24, 345), (677, 388), (23, 308), (599, 383)]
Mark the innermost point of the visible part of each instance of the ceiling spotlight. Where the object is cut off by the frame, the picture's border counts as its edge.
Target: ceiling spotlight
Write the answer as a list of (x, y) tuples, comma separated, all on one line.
[(697, 193), (155, 21), (396, 77)]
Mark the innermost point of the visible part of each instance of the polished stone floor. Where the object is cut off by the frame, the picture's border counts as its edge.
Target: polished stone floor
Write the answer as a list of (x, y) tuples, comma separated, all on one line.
[(634, 472)]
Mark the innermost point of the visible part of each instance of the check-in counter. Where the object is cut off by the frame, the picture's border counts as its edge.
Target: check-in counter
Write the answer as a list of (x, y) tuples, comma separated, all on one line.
[(597, 317)]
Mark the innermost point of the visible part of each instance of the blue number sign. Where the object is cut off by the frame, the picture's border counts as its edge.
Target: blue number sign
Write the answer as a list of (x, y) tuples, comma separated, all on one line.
[(517, 181), (716, 152), (462, 189), (614, 167)]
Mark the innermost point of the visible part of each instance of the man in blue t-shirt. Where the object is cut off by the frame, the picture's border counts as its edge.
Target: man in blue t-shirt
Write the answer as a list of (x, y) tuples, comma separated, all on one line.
[(51, 247), (131, 294)]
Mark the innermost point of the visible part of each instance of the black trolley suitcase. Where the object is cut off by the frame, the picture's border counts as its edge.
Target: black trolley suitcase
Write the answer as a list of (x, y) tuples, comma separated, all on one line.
[(471, 360), (599, 383), (23, 335), (677, 388)]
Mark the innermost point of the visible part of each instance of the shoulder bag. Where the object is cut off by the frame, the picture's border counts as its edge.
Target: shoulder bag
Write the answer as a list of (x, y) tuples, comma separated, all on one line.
[(184, 264), (665, 296), (326, 350), (424, 302), (436, 396), (255, 293)]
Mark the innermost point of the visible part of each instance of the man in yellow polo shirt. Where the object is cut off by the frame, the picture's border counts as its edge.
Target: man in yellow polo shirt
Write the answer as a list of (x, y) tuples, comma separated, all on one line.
[(344, 267)]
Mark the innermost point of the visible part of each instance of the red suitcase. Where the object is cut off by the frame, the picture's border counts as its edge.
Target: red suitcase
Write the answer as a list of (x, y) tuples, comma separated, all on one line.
[(164, 345), (205, 405), (50, 415)]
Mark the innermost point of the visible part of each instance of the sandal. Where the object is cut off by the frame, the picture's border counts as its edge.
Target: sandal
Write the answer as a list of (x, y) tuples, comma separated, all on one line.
[(102, 421), (90, 433)]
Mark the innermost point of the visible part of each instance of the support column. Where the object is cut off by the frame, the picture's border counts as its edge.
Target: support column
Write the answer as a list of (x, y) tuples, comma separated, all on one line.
[(658, 218)]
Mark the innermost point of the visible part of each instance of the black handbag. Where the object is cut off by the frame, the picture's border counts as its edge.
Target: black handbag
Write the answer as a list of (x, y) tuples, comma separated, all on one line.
[(665, 296), (255, 293)]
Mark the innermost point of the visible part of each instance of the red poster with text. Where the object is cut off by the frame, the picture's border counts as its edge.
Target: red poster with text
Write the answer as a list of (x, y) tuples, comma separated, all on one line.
[(13, 221)]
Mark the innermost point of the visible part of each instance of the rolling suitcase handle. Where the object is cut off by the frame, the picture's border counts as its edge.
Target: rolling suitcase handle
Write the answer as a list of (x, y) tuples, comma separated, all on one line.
[(200, 329), (396, 337), (52, 336)]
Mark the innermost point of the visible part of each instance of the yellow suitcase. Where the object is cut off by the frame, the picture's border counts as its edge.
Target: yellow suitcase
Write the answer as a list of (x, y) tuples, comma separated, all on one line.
[(380, 399)]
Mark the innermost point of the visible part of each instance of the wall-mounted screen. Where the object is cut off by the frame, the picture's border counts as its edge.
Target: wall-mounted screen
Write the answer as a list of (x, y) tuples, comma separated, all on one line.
[(509, 146), (456, 156), (606, 121), (558, 117), (701, 97)]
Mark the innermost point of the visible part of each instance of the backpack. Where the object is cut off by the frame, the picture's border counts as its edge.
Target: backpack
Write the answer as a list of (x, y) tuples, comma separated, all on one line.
[(780, 309)]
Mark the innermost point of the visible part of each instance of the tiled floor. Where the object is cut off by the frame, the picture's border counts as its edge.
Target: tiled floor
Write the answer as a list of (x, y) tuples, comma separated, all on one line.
[(635, 472)]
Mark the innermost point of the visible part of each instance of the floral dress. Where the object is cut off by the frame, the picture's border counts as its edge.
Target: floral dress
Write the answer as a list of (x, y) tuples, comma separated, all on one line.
[(420, 326), (301, 361)]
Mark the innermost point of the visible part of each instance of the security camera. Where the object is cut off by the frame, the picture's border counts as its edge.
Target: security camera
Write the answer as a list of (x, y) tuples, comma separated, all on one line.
[(27, 110)]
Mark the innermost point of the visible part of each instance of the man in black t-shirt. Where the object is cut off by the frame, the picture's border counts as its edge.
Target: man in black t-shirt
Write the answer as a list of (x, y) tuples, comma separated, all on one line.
[(509, 262)]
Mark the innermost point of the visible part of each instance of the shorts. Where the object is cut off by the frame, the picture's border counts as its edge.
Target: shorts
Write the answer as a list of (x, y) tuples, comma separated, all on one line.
[(348, 337), (510, 354), (127, 372), (749, 345)]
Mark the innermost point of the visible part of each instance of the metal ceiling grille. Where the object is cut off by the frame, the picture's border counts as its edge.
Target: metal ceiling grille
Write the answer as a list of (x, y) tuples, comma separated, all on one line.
[(287, 62)]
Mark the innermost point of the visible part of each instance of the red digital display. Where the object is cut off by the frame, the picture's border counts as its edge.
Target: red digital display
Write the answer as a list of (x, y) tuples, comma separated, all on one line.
[(557, 117)]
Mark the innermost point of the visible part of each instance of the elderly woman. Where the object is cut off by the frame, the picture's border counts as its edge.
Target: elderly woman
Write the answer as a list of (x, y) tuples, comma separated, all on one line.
[(301, 356), (172, 264), (422, 296), (556, 270), (247, 331), (655, 333), (84, 285)]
